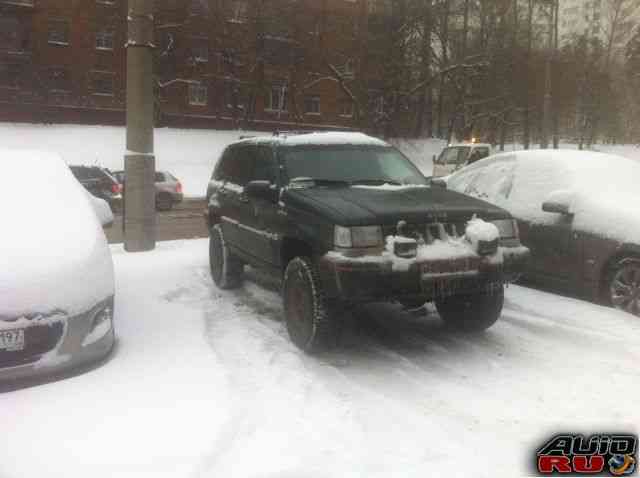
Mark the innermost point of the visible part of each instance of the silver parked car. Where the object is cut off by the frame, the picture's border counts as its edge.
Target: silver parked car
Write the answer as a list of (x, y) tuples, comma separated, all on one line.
[(168, 189), (56, 271)]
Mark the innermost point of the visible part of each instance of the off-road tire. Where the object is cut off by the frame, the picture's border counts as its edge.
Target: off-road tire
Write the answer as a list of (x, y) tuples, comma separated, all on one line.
[(164, 202), (311, 318), (472, 312), (613, 274), (227, 271)]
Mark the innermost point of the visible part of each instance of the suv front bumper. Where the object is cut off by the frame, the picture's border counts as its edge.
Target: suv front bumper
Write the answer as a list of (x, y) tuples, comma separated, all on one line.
[(383, 277)]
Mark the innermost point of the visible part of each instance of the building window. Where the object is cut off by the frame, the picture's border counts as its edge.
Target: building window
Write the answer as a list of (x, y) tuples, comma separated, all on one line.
[(58, 32), (59, 80), (239, 10), (317, 28), (104, 40), (198, 94), (10, 74), (312, 105), (10, 34), (379, 7), (277, 99), (102, 83), (347, 70), (197, 7), (201, 53), (379, 105), (346, 108)]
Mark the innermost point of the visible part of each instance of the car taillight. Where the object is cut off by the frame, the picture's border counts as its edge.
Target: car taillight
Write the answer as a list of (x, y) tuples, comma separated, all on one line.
[(116, 188), (179, 187)]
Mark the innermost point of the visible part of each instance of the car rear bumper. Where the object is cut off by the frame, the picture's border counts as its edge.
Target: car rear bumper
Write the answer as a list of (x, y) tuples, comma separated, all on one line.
[(177, 197), (63, 344), (380, 278)]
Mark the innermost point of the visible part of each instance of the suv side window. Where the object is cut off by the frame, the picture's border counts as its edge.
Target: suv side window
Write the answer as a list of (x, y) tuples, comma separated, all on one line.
[(221, 171), (450, 156), (264, 165), (160, 178), (240, 166)]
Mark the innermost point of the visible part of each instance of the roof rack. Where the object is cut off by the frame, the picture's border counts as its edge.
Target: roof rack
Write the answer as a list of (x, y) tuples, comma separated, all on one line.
[(293, 132), (310, 131)]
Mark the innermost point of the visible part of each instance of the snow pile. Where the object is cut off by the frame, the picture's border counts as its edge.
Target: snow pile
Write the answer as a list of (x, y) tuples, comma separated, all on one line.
[(478, 230), (202, 379), (188, 154), (54, 251)]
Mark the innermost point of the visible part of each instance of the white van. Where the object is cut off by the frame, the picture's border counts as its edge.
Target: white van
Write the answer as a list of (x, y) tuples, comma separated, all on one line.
[(457, 156)]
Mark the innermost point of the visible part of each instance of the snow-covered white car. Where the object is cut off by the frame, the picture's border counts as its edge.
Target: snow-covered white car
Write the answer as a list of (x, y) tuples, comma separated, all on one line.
[(578, 212), (56, 270)]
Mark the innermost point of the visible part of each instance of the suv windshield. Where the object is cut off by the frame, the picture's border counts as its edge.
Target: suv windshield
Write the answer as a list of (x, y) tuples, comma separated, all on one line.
[(351, 164)]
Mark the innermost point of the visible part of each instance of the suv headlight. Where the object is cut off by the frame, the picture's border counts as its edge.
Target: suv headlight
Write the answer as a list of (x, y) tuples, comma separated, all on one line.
[(361, 236), (508, 228)]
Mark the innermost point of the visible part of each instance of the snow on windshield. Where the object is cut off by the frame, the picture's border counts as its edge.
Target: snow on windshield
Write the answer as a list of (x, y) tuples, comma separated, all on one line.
[(55, 254)]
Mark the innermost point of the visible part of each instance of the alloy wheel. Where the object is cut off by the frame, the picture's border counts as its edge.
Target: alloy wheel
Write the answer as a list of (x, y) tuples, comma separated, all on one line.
[(625, 288)]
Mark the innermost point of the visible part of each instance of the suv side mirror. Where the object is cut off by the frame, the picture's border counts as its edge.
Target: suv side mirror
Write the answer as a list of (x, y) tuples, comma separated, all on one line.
[(262, 190), (556, 207)]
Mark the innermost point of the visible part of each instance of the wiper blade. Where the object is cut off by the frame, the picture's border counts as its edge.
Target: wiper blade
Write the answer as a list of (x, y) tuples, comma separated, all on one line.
[(319, 181), (375, 182)]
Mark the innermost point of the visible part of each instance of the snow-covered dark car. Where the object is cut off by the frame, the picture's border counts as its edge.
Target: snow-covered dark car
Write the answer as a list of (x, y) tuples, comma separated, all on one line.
[(56, 271), (346, 219), (168, 189), (578, 213)]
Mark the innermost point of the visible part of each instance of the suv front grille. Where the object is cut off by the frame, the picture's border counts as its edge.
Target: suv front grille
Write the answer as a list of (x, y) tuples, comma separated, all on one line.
[(429, 231)]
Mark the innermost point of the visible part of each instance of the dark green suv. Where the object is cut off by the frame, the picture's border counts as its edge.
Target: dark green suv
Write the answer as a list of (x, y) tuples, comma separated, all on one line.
[(345, 219)]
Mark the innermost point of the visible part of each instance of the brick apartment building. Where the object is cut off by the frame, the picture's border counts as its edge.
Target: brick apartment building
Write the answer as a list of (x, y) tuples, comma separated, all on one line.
[(258, 64)]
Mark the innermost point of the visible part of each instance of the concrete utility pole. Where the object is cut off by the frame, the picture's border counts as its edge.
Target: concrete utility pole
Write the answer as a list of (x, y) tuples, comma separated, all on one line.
[(546, 118), (140, 210)]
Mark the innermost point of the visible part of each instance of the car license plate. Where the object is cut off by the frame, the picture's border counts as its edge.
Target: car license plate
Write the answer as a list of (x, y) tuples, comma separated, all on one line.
[(12, 340)]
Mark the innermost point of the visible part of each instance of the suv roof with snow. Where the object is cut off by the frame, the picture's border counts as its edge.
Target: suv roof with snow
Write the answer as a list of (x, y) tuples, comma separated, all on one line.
[(344, 219)]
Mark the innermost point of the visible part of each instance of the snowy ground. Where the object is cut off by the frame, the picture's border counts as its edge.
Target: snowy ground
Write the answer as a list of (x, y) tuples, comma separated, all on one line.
[(205, 383), (189, 154)]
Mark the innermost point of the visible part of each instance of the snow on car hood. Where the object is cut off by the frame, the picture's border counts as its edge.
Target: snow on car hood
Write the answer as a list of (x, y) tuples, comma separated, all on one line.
[(355, 206), (54, 252)]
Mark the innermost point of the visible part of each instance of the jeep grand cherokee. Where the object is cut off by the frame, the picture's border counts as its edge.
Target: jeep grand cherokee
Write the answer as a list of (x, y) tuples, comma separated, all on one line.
[(345, 219)]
